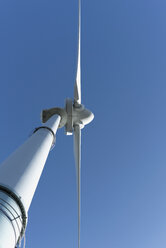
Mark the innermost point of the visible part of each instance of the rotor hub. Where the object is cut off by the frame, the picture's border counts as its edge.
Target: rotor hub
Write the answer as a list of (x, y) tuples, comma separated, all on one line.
[(77, 114)]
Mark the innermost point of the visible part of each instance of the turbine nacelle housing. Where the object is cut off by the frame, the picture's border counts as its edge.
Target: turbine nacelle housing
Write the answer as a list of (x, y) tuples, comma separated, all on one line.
[(73, 114)]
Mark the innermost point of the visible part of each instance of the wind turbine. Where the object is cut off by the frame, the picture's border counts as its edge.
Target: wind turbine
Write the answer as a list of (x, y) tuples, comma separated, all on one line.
[(20, 173)]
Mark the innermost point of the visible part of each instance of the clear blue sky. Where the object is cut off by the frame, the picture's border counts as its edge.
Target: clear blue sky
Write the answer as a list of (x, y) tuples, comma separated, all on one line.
[(123, 149)]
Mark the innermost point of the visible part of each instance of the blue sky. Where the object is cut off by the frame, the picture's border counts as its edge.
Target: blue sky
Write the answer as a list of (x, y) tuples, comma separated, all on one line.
[(123, 149)]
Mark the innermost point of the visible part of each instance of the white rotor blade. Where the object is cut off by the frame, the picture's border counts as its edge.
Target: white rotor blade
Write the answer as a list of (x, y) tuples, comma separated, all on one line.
[(77, 87), (77, 154)]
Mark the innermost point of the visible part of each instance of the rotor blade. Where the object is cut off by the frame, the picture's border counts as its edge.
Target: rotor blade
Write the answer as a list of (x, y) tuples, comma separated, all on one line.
[(77, 153), (77, 86)]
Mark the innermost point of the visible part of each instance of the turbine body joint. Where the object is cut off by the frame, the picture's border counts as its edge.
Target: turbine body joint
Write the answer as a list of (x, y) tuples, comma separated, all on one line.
[(73, 114)]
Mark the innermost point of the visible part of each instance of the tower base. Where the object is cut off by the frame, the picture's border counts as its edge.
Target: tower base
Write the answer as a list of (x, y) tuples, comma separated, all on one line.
[(12, 218)]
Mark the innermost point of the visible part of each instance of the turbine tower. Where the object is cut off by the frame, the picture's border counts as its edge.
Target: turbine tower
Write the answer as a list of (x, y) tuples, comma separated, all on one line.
[(20, 173)]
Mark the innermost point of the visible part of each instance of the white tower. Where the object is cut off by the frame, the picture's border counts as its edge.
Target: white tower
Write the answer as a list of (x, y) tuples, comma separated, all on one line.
[(19, 176)]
